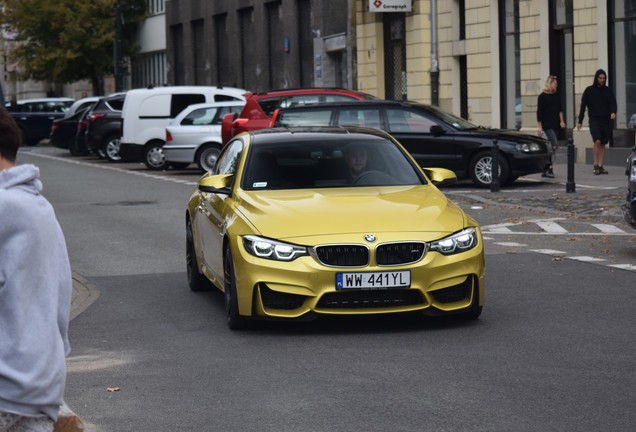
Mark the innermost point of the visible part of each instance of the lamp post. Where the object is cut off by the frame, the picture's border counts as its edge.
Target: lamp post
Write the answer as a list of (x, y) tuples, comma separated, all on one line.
[(117, 52)]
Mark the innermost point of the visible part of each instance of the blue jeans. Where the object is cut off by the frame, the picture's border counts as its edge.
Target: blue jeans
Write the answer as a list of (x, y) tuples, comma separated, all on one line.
[(554, 141)]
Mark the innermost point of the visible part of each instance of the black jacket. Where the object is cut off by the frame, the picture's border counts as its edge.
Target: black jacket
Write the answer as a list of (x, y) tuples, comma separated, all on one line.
[(600, 101), (548, 109)]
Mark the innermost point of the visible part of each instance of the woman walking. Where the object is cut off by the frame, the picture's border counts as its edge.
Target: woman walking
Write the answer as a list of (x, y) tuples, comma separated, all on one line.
[(550, 119)]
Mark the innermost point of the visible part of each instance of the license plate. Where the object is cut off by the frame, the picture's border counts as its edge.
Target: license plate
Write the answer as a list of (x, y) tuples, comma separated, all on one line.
[(373, 280)]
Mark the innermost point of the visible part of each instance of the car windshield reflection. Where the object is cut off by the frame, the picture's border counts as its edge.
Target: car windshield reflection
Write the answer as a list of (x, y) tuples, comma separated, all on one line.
[(348, 163)]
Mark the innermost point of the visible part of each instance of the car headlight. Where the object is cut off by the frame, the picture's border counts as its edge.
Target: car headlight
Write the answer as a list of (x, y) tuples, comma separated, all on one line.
[(272, 249), (528, 147), (456, 243)]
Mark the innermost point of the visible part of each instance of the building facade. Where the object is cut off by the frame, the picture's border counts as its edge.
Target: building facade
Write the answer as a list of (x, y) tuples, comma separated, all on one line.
[(488, 60), (260, 44)]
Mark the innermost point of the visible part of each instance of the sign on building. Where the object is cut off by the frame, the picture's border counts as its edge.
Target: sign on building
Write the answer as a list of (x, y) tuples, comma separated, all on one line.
[(390, 5)]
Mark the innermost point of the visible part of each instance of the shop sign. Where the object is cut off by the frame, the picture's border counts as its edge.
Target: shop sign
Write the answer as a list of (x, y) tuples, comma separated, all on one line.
[(390, 5)]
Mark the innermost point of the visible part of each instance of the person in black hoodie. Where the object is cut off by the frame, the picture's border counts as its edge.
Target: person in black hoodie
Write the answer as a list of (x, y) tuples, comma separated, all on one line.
[(550, 119), (601, 108)]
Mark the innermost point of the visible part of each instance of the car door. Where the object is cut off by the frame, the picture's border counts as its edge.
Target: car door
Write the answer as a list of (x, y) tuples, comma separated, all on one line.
[(430, 141), (214, 209)]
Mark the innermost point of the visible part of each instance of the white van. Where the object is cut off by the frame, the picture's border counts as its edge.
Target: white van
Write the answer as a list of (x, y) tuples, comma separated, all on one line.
[(147, 112)]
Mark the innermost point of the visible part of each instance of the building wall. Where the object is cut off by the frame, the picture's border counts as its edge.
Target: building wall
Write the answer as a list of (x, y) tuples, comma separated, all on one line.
[(485, 63), (258, 44)]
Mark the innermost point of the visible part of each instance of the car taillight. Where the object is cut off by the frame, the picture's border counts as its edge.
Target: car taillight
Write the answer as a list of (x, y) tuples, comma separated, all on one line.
[(168, 136), (94, 117)]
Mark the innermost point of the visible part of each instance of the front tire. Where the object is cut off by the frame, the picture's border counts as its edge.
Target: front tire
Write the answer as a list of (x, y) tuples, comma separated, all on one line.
[(481, 169), (196, 280), (153, 156), (234, 320)]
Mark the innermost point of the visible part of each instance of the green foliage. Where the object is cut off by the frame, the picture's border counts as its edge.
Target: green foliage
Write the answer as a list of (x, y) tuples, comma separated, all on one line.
[(67, 40)]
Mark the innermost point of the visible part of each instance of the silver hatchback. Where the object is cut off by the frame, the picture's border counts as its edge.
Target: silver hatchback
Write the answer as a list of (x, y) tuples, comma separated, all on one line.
[(194, 136)]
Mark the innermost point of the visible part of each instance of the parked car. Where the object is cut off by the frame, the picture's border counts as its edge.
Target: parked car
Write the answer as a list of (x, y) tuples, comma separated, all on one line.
[(259, 107), (285, 232), (35, 116), (195, 134), (632, 122), (629, 208), (103, 129), (147, 112), (433, 137), (81, 105), (64, 130)]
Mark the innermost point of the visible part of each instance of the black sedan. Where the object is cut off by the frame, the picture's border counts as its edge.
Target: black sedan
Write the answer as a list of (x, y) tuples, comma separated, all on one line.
[(435, 138), (629, 208)]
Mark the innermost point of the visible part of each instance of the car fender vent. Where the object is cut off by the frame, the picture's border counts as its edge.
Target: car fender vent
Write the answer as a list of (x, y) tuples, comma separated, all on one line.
[(278, 300)]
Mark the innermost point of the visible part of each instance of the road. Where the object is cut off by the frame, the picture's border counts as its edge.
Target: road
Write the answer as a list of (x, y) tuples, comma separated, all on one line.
[(553, 349)]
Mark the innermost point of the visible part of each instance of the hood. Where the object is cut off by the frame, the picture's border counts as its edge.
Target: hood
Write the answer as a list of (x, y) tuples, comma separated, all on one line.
[(502, 135), (292, 214), (599, 72), (26, 177)]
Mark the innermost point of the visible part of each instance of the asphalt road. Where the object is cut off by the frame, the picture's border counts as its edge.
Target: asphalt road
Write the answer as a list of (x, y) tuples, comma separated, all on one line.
[(553, 349)]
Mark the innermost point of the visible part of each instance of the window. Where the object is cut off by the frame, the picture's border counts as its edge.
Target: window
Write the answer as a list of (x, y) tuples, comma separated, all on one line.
[(624, 76), (408, 121)]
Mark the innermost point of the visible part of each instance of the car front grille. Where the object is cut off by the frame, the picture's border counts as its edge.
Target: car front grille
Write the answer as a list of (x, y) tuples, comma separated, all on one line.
[(370, 299), (343, 255), (387, 254), (399, 253)]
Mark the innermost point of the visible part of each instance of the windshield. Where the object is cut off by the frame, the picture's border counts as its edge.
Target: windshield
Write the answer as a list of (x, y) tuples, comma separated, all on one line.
[(452, 120), (349, 162)]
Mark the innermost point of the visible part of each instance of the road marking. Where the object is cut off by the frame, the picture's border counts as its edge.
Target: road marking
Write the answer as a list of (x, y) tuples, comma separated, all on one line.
[(631, 267), (609, 229), (548, 251), (511, 244), (551, 227), (586, 259)]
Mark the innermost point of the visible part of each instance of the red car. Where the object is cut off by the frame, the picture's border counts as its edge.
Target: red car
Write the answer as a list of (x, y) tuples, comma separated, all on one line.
[(258, 109)]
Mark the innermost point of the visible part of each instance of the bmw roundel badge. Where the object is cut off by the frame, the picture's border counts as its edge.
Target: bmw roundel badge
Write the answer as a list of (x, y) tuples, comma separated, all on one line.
[(370, 238)]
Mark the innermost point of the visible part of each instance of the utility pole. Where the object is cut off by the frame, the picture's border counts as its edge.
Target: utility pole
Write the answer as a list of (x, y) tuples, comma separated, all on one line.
[(117, 52)]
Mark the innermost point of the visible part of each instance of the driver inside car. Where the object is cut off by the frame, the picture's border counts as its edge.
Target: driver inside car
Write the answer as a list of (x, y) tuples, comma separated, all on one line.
[(357, 158)]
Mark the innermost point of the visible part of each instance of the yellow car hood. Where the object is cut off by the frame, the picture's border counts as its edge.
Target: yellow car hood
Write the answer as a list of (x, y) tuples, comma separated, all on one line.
[(285, 214)]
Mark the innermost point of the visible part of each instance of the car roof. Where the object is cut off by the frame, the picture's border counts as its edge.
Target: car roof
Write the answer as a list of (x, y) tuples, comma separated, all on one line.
[(213, 105), (307, 91), (187, 89), (51, 99), (328, 132)]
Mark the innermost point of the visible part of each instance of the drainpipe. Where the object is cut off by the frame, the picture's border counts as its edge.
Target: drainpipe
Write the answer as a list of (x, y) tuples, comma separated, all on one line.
[(434, 65)]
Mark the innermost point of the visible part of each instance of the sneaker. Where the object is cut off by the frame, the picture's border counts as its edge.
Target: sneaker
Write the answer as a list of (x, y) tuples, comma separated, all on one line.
[(602, 170), (597, 170), (548, 173)]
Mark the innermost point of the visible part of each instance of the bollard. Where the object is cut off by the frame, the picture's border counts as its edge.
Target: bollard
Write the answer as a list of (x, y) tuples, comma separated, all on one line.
[(494, 168), (570, 186)]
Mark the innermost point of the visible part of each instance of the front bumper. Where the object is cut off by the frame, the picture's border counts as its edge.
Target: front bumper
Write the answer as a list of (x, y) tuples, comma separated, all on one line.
[(439, 285), (629, 207), (527, 163), (130, 152)]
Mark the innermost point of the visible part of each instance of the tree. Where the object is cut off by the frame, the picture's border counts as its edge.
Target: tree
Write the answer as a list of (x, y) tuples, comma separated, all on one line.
[(68, 40)]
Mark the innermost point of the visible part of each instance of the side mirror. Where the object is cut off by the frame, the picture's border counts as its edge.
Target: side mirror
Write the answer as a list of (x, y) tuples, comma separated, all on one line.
[(440, 176), (437, 130), (219, 184)]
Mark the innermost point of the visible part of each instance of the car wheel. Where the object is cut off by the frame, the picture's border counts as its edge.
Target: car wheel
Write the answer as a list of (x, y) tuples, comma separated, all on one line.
[(196, 280), (77, 149), (234, 320), (207, 156), (111, 148), (154, 159), (481, 169)]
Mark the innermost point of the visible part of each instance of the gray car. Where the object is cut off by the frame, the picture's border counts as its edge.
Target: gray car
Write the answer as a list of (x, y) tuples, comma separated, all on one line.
[(194, 136)]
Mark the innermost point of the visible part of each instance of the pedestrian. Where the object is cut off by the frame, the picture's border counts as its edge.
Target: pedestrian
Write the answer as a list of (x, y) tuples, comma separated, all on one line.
[(601, 109), (550, 119), (35, 295)]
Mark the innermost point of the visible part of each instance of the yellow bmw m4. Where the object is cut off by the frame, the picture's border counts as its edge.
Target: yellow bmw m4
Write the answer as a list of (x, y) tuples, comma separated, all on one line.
[(297, 223)]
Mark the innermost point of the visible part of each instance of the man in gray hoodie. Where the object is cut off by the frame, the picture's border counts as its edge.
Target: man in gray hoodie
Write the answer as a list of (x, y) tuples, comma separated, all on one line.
[(35, 295)]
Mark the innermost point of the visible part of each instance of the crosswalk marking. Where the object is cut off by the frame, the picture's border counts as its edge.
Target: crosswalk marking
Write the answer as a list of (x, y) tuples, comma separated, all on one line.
[(586, 259), (606, 228), (624, 266), (551, 227)]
